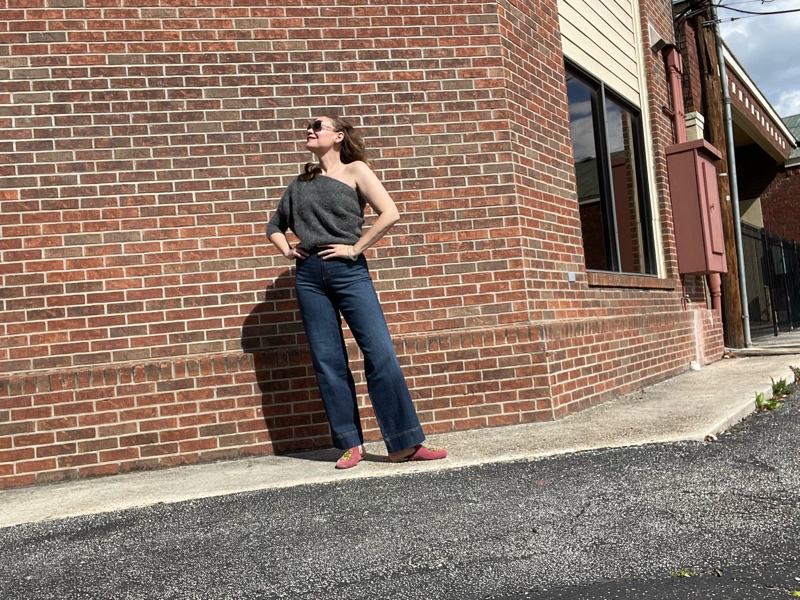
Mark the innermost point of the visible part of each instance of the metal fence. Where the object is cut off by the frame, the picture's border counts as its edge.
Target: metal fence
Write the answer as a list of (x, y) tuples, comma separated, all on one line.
[(772, 271)]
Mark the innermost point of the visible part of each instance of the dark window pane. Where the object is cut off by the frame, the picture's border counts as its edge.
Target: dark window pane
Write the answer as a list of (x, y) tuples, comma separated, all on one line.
[(621, 132), (582, 129), (609, 174)]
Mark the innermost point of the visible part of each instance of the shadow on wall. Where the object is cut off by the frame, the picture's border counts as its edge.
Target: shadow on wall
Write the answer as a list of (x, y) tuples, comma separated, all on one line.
[(273, 334)]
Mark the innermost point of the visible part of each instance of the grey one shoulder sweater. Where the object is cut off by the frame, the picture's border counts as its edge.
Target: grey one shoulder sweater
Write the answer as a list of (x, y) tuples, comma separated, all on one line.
[(321, 211)]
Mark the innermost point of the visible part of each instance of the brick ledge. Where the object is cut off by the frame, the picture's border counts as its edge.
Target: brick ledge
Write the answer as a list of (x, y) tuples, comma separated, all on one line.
[(624, 280)]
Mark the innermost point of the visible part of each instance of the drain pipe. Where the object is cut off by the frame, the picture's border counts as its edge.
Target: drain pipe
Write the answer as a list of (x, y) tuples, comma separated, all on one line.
[(732, 178)]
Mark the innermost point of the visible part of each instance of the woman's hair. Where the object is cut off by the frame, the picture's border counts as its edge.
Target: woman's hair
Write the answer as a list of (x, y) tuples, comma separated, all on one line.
[(352, 148)]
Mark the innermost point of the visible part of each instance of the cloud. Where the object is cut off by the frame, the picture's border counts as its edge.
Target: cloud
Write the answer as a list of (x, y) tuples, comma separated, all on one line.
[(788, 103), (767, 46)]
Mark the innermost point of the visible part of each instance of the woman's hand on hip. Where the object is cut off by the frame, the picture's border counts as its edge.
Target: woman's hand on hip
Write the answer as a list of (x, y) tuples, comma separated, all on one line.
[(330, 251), (295, 253)]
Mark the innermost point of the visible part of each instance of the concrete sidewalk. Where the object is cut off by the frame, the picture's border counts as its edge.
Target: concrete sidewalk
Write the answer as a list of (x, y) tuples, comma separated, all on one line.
[(691, 406)]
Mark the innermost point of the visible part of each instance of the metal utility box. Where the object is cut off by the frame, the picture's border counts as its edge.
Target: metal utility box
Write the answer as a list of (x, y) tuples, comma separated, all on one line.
[(696, 207)]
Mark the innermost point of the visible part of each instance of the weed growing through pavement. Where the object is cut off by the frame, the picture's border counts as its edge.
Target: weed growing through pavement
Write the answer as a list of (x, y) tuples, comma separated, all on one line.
[(780, 388), (764, 403), (780, 391), (683, 573)]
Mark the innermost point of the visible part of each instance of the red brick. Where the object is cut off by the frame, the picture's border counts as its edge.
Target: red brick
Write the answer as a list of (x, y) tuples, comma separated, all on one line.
[(55, 450), (34, 466), (197, 445), (98, 470), (35, 439), (118, 455), (159, 449)]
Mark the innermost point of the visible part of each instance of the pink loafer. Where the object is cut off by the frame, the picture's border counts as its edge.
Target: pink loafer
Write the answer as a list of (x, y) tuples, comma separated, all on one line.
[(422, 453), (350, 458)]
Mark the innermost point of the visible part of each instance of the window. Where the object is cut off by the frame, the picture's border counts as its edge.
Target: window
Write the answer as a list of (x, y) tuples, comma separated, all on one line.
[(609, 169)]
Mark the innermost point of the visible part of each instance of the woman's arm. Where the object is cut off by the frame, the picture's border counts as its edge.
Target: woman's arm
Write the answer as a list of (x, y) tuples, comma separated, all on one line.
[(277, 226), (371, 188), (279, 240), (378, 198)]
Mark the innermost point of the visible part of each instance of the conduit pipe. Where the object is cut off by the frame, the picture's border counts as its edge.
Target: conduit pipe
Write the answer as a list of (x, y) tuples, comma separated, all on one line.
[(734, 185)]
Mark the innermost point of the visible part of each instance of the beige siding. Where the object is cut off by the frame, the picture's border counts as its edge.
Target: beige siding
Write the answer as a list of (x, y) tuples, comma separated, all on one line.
[(601, 36)]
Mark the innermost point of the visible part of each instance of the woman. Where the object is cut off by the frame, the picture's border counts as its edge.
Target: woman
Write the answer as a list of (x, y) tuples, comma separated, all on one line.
[(324, 207)]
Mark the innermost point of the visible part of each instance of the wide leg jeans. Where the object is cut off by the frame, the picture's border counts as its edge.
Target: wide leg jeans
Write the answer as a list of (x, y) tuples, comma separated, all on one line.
[(328, 290)]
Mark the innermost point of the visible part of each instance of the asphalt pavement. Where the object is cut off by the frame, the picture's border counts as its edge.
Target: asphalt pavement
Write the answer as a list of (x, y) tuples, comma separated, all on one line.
[(613, 502)]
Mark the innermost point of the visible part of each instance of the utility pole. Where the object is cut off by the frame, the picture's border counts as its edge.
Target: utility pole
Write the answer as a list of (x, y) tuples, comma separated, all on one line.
[(715, 134)]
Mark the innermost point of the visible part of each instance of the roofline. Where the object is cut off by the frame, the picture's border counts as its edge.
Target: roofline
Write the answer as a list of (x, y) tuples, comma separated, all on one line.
[(733, 64)]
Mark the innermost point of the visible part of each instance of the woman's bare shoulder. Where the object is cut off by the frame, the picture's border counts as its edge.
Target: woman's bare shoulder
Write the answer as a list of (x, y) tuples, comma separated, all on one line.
[(360, 172), (358, 166)]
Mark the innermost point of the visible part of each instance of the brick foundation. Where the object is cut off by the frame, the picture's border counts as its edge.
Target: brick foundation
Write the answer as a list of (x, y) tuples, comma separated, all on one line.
[(101, 421)]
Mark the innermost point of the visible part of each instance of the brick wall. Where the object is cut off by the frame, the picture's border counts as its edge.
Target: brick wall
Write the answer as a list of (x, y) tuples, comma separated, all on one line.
[(593, 361), (150, 142), (146, 322), (779, 204), (777, 187), (692, 79), (755, 170)]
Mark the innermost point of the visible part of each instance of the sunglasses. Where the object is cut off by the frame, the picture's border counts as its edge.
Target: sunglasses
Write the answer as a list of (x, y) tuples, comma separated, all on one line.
[(318, 126)]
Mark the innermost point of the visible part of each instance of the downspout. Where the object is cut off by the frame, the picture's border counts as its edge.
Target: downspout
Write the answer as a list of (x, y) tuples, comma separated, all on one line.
[(737, 221), (675, 73)]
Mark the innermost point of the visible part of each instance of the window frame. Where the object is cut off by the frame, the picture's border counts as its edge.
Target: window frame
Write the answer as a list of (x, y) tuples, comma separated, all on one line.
[(599, 93)]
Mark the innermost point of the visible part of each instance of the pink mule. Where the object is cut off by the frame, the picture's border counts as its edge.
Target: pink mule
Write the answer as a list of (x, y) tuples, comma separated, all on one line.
[(422, 453), (350, 458)]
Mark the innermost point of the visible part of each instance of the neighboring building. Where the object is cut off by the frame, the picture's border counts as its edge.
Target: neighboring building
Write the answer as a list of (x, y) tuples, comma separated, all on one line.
[(147, 322), (770, 189), (793, 123), (780, 196), (768, 185)]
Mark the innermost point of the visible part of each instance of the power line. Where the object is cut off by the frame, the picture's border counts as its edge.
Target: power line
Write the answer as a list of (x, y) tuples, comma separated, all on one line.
[(748, 2), (757, 13)]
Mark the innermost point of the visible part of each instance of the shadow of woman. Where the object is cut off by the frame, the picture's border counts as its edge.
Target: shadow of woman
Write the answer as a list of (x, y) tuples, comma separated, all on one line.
[(292, 410)]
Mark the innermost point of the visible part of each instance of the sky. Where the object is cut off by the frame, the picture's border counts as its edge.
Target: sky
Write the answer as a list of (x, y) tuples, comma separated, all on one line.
[(768, 47)]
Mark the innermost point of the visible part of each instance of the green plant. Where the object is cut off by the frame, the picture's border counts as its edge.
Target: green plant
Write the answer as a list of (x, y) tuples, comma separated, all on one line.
[(780, 388), (764, 403), (683, 573), (796, 372)]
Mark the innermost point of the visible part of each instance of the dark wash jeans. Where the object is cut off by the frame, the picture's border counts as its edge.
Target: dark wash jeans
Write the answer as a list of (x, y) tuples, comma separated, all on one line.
[(328, 290)]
